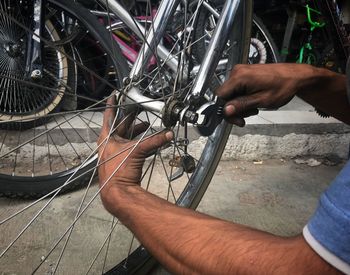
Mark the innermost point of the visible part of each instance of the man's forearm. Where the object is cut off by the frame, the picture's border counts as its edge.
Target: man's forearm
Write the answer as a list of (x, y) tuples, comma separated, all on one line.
[(187, 242), (326, 91)]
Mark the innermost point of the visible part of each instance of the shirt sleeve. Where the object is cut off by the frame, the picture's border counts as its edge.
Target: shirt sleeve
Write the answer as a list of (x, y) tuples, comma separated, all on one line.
[(348, 78), (328, 231)]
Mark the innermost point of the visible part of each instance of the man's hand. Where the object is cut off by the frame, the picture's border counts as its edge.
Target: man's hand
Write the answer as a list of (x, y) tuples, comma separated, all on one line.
[(120, 156), (251, 87)]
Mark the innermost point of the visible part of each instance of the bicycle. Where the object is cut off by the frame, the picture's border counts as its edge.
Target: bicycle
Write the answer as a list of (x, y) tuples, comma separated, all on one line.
[(168, 95), (310, 31)]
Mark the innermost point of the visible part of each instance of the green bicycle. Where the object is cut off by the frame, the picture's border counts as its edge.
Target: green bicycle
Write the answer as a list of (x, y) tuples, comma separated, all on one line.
[(307, 54)]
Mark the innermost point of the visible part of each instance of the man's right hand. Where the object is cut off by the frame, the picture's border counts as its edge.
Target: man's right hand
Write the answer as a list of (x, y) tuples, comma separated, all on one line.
[(271, 86)]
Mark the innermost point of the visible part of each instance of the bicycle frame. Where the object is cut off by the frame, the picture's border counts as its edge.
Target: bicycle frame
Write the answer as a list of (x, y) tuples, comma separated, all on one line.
[(313, 26), (172, 62), (151, 46)]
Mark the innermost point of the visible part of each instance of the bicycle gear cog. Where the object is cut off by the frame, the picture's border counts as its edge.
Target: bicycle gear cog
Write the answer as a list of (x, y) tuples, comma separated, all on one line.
[(171, 112)]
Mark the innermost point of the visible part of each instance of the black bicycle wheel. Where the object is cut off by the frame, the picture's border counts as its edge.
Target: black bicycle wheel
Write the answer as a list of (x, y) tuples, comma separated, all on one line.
[(22, 104), (262, 46), (97, 240), (43, 120)]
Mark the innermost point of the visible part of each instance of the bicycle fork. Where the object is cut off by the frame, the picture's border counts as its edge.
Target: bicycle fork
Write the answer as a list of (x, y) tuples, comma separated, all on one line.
[(34, 65)]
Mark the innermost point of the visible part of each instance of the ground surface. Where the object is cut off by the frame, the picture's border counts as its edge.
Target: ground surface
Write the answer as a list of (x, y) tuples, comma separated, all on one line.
[(273, 195)]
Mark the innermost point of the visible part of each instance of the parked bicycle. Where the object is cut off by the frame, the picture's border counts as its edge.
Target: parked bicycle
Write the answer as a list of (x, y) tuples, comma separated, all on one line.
[(308, 31)]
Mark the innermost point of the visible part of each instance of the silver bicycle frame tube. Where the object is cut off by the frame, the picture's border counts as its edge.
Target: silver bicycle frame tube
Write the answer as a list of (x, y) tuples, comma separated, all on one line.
[(155, 34), (213, 53), (121, 13)]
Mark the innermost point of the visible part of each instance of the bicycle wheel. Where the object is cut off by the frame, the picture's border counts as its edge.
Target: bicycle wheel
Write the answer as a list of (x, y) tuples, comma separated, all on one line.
[(18, 103), (42, 120), (97, 240), (262, 46)]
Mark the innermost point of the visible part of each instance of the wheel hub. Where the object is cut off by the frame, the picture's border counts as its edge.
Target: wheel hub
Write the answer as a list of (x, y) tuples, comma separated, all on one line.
[(13, 49)]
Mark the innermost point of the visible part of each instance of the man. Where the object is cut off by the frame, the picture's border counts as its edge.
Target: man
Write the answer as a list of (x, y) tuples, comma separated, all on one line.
[(206, 245)]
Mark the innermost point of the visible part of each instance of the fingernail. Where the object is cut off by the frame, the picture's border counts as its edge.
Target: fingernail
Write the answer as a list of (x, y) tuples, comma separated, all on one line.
[(229, 110), (169, 135)]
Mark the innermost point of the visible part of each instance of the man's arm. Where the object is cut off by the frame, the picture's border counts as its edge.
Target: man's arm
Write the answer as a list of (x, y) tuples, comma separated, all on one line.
[(273, 85), (186, 242), (326, 91)]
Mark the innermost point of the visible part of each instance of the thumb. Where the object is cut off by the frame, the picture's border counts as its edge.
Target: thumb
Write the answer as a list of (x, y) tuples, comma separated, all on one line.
[(151, 144)]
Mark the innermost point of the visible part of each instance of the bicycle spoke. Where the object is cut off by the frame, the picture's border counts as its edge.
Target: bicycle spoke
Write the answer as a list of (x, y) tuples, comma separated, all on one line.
[(39, 213), (70, 180), (41, 134), (16, 155), (106, 241), (99, 190), (85, 194), (168, 179), (58, 49)]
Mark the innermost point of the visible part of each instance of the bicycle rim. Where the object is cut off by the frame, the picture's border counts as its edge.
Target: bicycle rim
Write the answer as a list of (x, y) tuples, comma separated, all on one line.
[(262, 47), (113, 247)]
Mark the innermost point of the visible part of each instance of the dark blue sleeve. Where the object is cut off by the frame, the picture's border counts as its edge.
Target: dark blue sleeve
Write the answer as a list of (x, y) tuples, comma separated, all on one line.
[(330, 225)]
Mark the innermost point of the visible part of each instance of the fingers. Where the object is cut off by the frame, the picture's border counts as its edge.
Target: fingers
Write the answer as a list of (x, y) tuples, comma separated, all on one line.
[(108, 118), (244, 105), (138, 129), (124, 123), (109, 114), (237, 83), (151, 144), (230, 89)]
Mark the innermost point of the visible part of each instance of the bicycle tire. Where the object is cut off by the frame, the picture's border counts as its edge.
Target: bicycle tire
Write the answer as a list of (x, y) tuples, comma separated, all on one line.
[(140, 261), (262, 43), (262, 34), (33, 187)]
